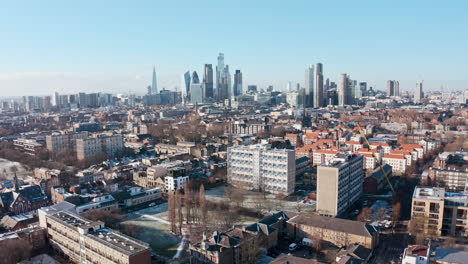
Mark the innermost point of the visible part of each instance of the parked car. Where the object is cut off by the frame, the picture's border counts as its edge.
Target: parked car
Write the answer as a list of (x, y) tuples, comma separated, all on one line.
[(293, 246)]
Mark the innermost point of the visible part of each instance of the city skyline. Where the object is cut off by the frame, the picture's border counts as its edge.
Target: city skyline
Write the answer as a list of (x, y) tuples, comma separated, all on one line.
[(42, 56)]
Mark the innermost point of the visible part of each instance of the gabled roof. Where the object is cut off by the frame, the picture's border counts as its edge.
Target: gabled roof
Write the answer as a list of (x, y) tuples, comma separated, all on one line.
[(335, 224), (33, 194)]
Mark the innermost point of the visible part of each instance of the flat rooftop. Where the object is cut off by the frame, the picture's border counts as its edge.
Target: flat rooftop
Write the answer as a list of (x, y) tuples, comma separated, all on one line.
[(105, 236), (429, 193)]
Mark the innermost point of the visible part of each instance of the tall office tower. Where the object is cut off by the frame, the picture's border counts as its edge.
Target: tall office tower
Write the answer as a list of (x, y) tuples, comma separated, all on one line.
[(196, 93), (237, 88), (208, 80), (418, 93), (288, 87), (318, 86), (343, 89), (148, 89), (195, 78), (154, 85), (390, 88), (350, 91), (309, 87), (55, 99), (260, 167), (396, 88), (224, 90), (363, 87), (393, 88), (186, 83), (219, 70), (339, 184)]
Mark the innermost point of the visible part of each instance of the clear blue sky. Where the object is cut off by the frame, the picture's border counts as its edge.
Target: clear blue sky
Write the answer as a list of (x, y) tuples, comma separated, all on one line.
[(111, 46)]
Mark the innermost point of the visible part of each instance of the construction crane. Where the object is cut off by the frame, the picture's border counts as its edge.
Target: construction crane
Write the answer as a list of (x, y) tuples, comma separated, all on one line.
[(376, 159)]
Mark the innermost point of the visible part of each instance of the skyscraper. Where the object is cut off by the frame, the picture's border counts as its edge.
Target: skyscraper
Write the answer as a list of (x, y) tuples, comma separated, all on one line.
[(418, 93), (195, 78), (237, 88), (288, 87), (154, 85), (186, 83), (397, 88), (224, 88), (350, 91), (318, 86), (219, 70), (363, 87), (196, 93), (208, 80), (393, 88), (342, 89), (309, 87)]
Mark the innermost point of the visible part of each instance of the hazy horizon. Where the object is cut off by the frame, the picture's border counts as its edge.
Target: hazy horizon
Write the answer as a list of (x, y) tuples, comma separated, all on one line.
[(80, 47)]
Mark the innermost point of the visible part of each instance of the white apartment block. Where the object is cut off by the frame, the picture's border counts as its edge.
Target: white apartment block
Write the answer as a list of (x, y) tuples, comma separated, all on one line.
[(339, 184), (59, 142), (321, 156), (101, 144), (259, 167), (398, 162), (175, 183)]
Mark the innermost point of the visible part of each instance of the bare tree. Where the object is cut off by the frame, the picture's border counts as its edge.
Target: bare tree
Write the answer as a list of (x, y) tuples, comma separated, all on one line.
[(396, 214), (15, 250), (365, 215), (381, 213), (172, 212), (203, 207), (180, 214)]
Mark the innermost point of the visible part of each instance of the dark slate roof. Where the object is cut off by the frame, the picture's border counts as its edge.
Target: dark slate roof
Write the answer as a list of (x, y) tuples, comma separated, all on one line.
[(121, 196), (356, 251), (33, 194), (301, 160), (7, 198)]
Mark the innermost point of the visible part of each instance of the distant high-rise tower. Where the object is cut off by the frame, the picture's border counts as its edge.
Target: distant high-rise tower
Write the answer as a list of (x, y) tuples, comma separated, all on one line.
[(186, 83), (318, 85), (393, 88), (343, 89), (237, 88), (219, 70), (363, 88), (309, 87), (154, 85), (418, 93), (288, 87), (208, 80), (397, 88), (195, 78), (224, 90)]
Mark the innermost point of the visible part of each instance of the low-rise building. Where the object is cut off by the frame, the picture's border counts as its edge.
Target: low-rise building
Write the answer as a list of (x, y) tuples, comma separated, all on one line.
[(436, 212), (84, 241), (416, 254), (340, 232)]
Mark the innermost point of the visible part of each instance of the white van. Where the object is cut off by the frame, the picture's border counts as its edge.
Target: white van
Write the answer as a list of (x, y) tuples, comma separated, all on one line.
[(307, 242)]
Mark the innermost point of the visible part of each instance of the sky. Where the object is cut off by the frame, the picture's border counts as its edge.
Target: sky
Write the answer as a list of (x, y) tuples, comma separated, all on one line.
[(111, 46)]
